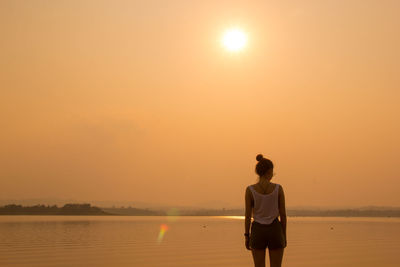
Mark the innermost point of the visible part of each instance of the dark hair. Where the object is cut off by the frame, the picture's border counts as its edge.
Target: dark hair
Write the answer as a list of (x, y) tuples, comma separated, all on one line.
[(263, 165)]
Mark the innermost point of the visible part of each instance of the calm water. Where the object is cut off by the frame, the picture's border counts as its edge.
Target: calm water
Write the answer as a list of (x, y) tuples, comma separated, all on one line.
[(190, 241)]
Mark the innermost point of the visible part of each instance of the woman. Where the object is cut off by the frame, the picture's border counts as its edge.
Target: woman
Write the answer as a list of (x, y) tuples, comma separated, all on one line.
[(266, 201)]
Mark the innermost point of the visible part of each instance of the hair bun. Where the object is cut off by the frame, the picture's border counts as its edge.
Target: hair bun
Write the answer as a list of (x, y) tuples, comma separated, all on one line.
[(259, 157)]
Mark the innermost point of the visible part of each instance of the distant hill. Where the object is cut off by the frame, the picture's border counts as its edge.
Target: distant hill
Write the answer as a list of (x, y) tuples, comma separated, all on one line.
[(87, 209), (133, 211), (365, 212), (67, 209)]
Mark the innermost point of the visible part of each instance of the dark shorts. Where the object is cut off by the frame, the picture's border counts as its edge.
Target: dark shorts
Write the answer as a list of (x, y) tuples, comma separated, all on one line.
[(267, 235)]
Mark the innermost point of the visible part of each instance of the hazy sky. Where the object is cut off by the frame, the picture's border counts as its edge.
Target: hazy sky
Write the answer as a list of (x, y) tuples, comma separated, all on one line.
[(137, 100)]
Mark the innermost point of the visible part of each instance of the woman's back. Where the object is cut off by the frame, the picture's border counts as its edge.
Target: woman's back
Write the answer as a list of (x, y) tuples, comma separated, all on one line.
[(266, 207)]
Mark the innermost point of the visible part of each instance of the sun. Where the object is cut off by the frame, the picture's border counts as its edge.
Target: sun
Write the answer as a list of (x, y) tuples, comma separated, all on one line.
[(234, 40)]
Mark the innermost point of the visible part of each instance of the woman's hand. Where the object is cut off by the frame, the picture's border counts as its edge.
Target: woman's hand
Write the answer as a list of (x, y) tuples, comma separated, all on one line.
[(247, 242)]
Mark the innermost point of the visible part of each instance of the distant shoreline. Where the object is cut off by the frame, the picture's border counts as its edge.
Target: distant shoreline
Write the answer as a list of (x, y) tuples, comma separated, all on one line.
[(67, 209), (87, 209)]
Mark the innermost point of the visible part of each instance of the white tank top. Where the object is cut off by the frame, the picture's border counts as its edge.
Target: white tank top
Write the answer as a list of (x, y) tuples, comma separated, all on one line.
[(265, 205)]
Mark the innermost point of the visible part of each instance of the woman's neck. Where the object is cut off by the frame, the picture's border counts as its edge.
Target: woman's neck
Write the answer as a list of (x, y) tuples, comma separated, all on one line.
[(264, 180)]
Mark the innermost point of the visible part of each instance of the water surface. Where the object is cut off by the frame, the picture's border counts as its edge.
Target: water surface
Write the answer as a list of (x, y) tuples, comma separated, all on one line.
[(190, 241)]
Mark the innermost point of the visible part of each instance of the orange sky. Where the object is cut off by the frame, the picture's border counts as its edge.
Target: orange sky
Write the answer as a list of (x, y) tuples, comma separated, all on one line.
[(138, 101)]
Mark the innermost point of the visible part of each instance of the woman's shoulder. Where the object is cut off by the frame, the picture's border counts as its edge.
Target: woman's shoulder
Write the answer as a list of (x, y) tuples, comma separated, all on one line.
[(280, 187), (250, 186)]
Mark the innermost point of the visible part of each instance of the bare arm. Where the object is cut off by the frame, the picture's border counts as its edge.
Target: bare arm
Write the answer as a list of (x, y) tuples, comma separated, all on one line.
[(248, 210), (282, 209)]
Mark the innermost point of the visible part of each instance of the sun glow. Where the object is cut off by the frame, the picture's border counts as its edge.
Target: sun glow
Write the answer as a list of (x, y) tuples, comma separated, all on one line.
[(234, 40)]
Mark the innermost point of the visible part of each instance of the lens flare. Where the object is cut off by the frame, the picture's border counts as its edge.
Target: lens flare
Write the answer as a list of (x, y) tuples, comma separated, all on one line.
[(163, 229), (173, 215)]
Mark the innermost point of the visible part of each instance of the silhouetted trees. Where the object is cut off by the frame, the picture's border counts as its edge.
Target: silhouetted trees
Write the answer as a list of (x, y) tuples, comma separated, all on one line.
[(133, 211), (67, 209), (87, 209)]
